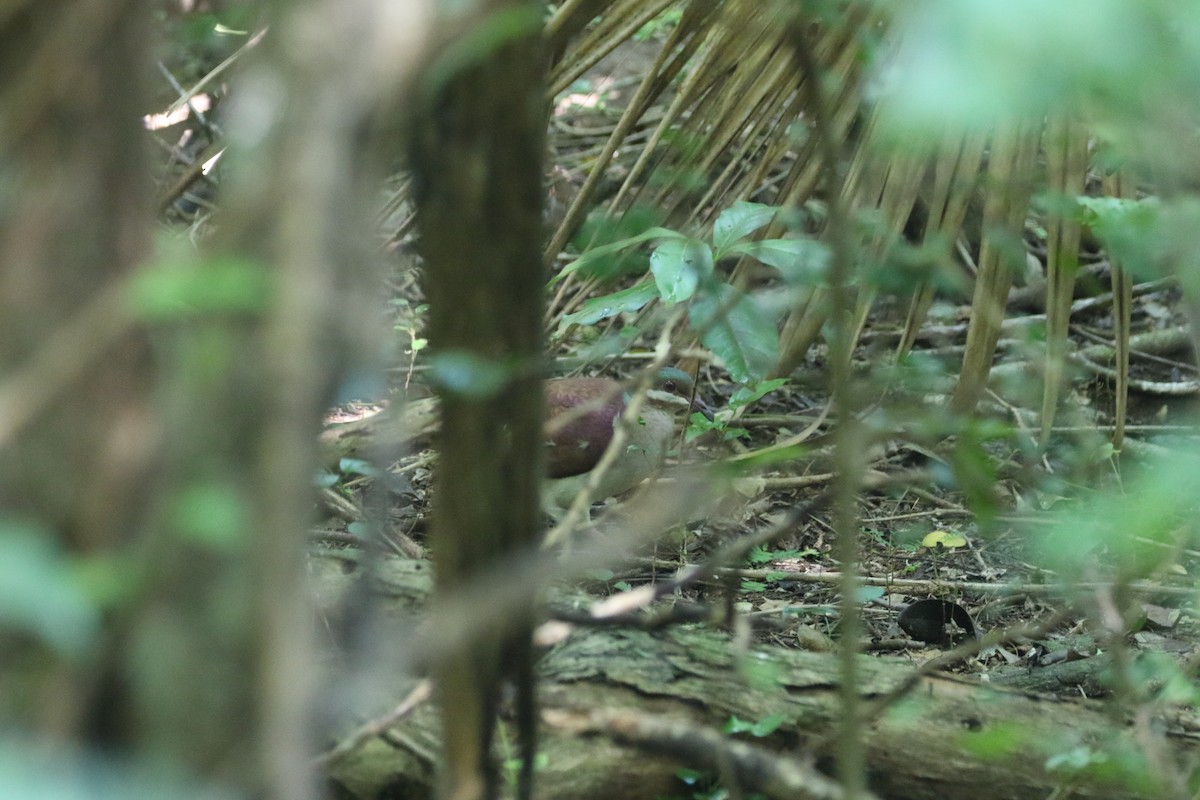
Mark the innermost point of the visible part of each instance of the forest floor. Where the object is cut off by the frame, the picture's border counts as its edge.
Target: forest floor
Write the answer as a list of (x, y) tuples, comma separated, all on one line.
[(931, 537), (970, 548)]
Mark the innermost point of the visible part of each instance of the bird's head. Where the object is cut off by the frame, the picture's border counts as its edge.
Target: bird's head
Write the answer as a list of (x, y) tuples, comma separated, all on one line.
[(673, 390)]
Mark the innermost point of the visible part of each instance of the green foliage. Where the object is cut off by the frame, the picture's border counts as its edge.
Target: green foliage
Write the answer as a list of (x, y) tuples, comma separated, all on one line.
[(865, 594), (699, 425), (761, 555), (213, 514), (760, 729), (602, 240), (467, 375), (739, 221), (974, 62), (597, 309), (1128, 529), (588, 263), (357, 466), (679, 266), (1168, 682), (737, 327), (1149, 237), (40, 590), (745, 395), (172, 292), (660, 26), (37, 771)]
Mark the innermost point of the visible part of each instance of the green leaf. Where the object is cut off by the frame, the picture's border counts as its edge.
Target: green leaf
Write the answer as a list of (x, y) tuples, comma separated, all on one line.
[(731, 324), (601, 308), (39, 591), (1052, 54), (614, 247), (745, 395), (678, 266), (698, 425), (211, 513), (766, 726), (178, 291), (801, 262), (466, 374), (753, 586), (357, 466), (760, 555), (600, 230), (739, 221), (865, 594), (108, 579), (1133, 230)]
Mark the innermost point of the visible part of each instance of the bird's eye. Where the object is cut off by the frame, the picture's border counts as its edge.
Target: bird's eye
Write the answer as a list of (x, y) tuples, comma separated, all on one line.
[(669, 386)]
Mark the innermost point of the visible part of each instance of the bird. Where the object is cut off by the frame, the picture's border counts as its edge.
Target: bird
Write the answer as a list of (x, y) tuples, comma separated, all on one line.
[(584, 412)]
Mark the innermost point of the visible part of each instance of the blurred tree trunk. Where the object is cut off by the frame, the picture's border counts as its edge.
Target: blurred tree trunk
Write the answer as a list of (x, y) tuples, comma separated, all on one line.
[(75, 433), (78, 435), (169, 449), (477, 164)]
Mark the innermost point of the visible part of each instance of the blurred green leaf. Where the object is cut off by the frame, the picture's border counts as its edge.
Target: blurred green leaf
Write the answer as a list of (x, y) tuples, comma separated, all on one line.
[(60, 773), (679, 265), (178, 291), (739, 221), (601, 308), (865, 594), (969, 63), (1133, 531), (801, 262), (466, 374), (1075, 759), (108, 579), (212, 513), (39, 590), (1128, 228), (737, 331), (698, 425), (745, 395), (596, 253), (1172, 684), (357, 466), (601, 229), (763, 727)]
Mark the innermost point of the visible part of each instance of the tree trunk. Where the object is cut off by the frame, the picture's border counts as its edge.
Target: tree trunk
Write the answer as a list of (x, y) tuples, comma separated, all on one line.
[(477, 181)]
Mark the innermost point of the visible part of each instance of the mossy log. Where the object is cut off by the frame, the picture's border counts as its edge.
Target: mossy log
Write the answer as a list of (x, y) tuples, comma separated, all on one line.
[(624, 709)]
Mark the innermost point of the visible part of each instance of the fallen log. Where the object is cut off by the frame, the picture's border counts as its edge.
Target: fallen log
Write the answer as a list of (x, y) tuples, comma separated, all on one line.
[(624, 709)]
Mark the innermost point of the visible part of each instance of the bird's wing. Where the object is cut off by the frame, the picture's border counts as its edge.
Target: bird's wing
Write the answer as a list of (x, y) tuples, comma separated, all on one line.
[(576, 447)]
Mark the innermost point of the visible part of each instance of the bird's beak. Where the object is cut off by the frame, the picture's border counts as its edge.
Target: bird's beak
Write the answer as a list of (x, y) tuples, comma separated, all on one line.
[(698, 404)]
